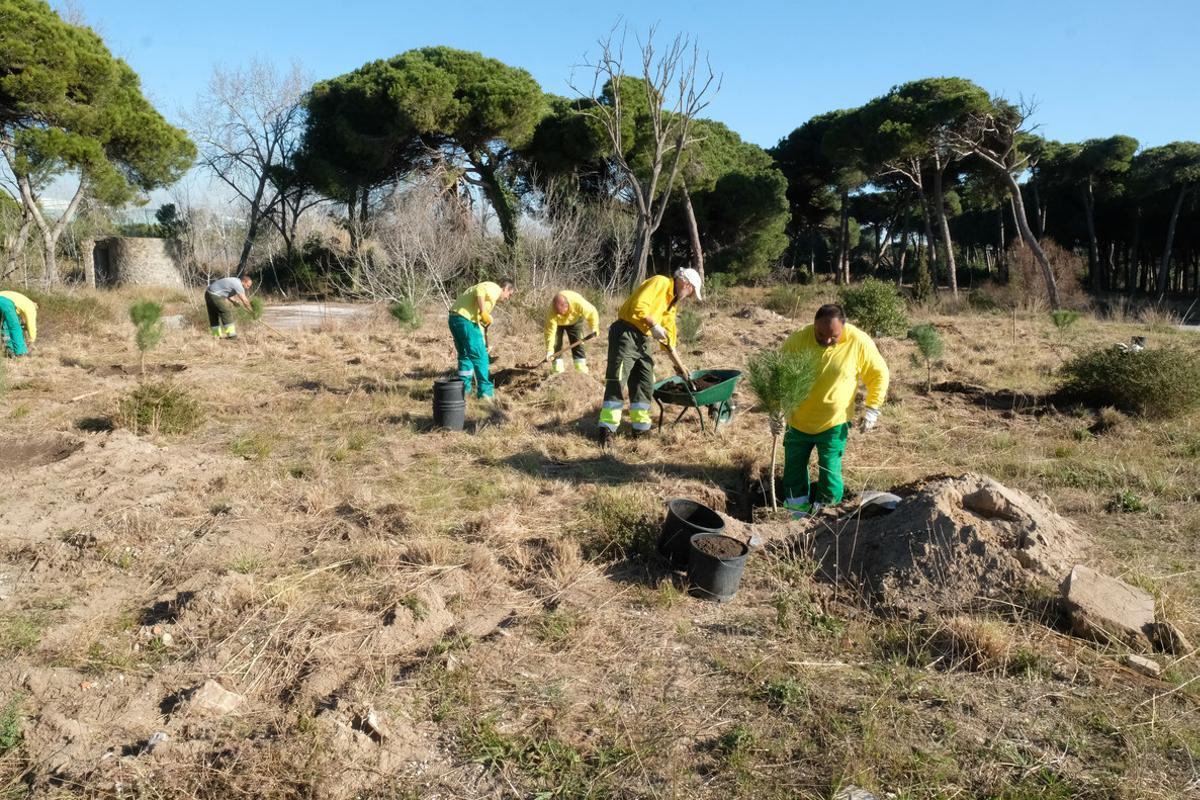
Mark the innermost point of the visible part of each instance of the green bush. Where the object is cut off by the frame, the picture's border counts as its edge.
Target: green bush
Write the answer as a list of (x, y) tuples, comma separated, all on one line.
[(1064, 318), (146, 316), (875, 306), (406, 313), (1162, 382), (159, 407), (787, 300), (929, 349), (688, 325), (254, 314)]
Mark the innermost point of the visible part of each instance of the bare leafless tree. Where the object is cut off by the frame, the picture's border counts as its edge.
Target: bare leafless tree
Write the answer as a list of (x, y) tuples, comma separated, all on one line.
[(994, 136), (676, 88), (247, 126)]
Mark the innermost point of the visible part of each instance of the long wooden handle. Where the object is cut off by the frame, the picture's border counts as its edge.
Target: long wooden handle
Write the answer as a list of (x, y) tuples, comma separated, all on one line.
[(687, 376), (572, 345)]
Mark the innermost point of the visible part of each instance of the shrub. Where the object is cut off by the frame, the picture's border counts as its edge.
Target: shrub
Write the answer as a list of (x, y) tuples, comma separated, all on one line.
[(159, 407), (785, 300), (82, 313), (875, 306), (254, 314), (781, 381), (1160, 382), (1064, 318), (688, 325), (1126, 502), (618, 524), (146, 318), (929, 349), (923, 285), (406, 313)]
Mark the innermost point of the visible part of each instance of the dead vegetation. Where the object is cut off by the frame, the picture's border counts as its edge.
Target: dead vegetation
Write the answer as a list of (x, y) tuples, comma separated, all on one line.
[(390, 612)]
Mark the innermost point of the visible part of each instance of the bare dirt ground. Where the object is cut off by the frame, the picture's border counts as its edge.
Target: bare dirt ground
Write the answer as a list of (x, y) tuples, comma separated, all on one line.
[(310, 593)]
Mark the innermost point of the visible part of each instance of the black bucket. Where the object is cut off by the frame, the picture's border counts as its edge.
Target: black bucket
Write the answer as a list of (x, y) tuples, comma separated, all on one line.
[(716, 577), (684, 519), (449, 403)]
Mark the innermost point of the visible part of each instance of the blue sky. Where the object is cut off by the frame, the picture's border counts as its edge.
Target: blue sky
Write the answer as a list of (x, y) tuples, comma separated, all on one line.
[(1094, 68)]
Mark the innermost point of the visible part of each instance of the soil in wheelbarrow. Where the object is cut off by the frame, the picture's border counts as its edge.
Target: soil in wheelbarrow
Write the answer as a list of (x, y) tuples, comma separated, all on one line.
[(700, 384), (718, 546)]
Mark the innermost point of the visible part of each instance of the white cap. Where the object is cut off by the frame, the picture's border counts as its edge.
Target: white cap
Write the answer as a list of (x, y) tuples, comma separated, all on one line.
[(691, 276)]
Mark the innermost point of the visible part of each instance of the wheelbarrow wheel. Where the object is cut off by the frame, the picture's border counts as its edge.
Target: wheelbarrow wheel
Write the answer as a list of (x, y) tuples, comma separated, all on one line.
[(720, 414)]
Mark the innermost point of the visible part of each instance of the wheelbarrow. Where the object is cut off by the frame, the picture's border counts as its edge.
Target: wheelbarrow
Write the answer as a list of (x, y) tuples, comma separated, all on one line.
[(713, 390)]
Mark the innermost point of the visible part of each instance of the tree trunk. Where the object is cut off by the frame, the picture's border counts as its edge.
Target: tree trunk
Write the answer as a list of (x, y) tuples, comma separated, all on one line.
[(498, 197), (1164, 266), (641, 251), (841, 267), (351, 220), (931, 249), (1031, 240), (1012, 206), (944, 226), (1089, 209), (693, 231), (50, 233), (87, 257), (16, 245), (252, 228), (1037, 210)]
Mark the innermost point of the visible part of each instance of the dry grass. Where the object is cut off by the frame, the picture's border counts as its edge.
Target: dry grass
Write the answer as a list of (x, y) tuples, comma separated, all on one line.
[(490, 597)]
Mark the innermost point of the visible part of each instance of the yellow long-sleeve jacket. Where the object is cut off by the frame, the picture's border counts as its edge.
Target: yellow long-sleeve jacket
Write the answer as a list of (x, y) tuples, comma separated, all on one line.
[(578, 308), (26, 310), (831, 402), (467, 304), (653, 299)]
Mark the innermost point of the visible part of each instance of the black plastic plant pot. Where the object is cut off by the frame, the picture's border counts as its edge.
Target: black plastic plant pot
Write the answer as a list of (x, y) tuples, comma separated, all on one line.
[(715, 567), (449, 403), (685, 518)]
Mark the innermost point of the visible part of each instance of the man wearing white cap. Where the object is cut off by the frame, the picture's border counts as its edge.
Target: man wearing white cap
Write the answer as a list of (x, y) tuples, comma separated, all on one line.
[(648, 313)]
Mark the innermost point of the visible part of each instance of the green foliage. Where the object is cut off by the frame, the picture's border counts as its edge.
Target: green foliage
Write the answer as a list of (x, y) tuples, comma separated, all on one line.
[(929, 349), (1126, 502), (787, 299), (159, 407), (1064, 318), (781, 381), (10, 724), (406, 313), (79, 313), (875, 306), (146, 318), (782, 693), (73, 107), (254, 314), (1159, 382), (923, 286), (687, 325)]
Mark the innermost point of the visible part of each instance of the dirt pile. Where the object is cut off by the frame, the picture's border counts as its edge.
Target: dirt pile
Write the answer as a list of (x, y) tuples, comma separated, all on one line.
[(950, 543)]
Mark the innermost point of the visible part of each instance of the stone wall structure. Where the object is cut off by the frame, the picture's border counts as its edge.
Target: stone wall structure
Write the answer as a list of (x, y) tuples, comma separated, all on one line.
[(136, 261)]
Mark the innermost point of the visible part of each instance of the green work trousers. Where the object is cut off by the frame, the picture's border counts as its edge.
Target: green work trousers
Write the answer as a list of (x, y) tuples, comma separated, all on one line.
[(629, 359), (576, 332), (220, 315), (798, 447)]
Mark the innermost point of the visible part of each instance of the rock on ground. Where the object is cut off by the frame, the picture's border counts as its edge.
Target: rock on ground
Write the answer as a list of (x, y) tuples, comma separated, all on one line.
[(213, 698), (1146, 666), (1107, 609)]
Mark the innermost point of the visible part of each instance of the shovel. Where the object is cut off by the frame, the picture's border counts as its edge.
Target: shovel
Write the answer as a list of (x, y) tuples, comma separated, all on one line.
[(570, 346)]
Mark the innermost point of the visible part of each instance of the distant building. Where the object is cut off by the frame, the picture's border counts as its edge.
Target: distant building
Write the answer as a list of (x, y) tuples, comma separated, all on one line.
[(137, 261)]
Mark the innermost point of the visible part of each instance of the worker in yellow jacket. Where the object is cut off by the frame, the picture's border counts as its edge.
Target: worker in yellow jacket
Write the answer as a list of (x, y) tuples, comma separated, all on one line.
[(469, 317), (570, 314), (649, 313), (822, 422), (26, 313)]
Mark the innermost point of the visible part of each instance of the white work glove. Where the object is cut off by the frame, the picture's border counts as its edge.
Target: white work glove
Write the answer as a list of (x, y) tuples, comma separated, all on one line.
[(869, 420), (659, 333)]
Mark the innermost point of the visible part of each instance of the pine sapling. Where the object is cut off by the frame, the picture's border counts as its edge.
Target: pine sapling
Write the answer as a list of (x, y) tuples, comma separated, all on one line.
[(929, 349), (146, 317), (780, 381)]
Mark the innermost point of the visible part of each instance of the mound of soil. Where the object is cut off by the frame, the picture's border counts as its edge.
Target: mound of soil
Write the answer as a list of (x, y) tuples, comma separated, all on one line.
[(950, 543), (719, 546), (23, 454)]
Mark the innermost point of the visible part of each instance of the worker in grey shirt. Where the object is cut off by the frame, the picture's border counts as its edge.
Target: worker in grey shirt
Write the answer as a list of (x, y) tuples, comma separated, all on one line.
[(219, 298)]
